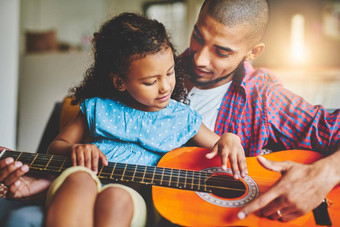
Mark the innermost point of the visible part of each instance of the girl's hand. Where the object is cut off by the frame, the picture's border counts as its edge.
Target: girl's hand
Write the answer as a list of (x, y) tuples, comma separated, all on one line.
[(229, 146), (87, 155)]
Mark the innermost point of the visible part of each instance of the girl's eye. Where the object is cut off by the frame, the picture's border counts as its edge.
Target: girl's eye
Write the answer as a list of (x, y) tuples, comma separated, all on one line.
[(150, 84), (171, 73)]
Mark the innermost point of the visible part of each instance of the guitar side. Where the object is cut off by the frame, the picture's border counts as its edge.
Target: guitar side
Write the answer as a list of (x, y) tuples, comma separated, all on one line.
[(189, 209)]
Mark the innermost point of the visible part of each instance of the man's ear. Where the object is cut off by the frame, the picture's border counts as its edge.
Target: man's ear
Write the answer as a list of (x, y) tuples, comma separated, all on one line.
[(255, 51), (118, 82)]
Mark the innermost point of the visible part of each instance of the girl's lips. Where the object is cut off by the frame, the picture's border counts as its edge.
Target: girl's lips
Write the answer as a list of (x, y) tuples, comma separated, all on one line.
[(164, 98)]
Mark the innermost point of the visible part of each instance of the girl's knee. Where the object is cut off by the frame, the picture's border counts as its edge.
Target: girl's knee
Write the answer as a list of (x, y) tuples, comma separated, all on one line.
[(81, 177), (116, 194)]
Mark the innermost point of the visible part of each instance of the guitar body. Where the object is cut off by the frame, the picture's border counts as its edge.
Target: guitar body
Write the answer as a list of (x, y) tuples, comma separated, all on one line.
[(189, 208)]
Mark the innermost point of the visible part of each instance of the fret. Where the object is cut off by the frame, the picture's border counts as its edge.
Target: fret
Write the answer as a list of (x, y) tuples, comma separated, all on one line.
[(185, 178), (162, 176), (40, 162), (143, 174), (101, 170), (113, 169), (18, 156), (170, 177), (118, 171), (62, 165), (199, 180), (56, 163), (192, 179), (35, 156), (134, 173), (204, 181), (166, 176), (182, 178), (153, 175), (149, 173), (196, 180), (174, 182), (178, 177), (139, 173), (122, 177), (48, 162), (105, 173)]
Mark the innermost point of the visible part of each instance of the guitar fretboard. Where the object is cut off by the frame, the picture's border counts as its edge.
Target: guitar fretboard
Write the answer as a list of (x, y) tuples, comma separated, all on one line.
[(119, 172)]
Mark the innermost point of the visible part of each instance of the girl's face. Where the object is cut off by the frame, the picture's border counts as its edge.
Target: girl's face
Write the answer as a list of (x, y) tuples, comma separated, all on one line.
[(151, 81)]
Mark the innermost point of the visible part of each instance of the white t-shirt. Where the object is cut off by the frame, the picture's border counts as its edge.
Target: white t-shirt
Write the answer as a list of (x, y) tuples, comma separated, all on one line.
[(207, 102)]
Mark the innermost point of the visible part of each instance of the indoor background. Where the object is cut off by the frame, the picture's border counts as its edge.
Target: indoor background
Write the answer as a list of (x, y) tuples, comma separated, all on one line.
[(45, 49)]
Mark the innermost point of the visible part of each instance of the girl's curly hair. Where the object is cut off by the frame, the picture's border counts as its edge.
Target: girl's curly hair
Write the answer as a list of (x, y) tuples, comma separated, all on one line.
[(120, 40)]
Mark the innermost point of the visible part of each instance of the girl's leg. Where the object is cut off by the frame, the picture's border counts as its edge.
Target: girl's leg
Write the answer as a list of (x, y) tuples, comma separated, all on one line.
[(120, 205), (73, 202), (114, 207)]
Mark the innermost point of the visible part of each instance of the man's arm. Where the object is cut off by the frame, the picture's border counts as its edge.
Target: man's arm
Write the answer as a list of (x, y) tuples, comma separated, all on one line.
[(300, 189)]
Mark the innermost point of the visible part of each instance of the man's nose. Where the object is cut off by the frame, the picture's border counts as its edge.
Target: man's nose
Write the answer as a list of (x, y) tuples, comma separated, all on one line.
[(202, 57)]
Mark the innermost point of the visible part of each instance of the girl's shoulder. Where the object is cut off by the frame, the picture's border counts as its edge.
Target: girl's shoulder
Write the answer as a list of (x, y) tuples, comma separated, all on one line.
[(100, 101), (96, 103), (178, 107)]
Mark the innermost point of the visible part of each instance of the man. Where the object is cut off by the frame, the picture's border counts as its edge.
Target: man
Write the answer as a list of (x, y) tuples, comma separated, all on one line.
[(233, 97)]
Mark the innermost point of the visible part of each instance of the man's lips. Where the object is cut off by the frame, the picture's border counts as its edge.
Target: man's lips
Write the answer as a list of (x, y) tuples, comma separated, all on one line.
[(200, 72)]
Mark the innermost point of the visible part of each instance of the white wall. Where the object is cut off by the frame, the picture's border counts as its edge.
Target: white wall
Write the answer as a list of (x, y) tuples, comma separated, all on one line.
[(45, 79), (71, 19), (9, 64)]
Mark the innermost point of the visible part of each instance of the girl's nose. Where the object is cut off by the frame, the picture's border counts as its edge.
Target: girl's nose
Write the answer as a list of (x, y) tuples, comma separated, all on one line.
[(165, 85)]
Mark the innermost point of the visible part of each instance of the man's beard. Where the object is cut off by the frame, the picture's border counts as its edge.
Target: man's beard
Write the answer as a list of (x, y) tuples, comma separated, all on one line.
[(194, 78)]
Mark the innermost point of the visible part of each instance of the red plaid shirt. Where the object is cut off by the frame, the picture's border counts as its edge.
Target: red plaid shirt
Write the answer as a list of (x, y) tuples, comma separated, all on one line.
[(264, 114)]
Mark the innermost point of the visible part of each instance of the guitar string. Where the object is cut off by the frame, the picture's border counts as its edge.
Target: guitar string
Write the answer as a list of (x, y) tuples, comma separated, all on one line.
[(159, 170), (189, 175)]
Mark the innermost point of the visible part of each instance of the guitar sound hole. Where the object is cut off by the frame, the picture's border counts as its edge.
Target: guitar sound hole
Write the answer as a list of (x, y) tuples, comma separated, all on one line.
[(226, 186)]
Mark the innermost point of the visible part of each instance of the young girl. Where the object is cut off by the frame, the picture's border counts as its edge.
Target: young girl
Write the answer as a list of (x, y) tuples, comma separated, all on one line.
[(129, 113)]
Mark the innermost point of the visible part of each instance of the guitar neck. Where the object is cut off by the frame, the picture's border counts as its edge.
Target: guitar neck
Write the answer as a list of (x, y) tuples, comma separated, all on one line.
[(117, 172)]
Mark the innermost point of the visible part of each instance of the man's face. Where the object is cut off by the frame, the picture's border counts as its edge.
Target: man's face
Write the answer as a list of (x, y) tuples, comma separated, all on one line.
[(216, 51)]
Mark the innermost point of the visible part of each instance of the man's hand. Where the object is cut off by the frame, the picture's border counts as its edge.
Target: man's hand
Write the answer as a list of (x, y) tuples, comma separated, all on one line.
[(300, 189), (12, 175)]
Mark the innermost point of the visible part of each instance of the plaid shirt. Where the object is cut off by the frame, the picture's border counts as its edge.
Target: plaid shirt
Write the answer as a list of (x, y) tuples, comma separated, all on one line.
[(265, 115)]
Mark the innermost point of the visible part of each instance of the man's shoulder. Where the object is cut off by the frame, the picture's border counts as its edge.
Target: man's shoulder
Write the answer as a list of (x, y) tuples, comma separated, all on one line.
[(260, 76)]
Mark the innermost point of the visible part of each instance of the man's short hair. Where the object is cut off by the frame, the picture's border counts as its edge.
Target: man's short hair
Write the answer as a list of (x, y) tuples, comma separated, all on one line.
[(254, 13)]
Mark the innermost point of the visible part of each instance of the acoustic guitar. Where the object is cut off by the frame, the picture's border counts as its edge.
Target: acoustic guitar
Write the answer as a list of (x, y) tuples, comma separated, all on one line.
[(190, 190)]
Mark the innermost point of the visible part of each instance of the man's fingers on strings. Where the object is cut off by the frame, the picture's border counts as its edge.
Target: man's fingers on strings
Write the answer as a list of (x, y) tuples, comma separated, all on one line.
[(274, 210), (258, 203), (17, 171), (5, 162), (273, 165)]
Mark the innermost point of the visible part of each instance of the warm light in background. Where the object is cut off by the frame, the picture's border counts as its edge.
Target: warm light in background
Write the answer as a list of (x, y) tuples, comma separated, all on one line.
[(297, 39)]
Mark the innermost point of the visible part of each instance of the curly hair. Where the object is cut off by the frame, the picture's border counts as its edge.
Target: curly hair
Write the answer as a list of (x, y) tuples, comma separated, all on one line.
[(119, 41)]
